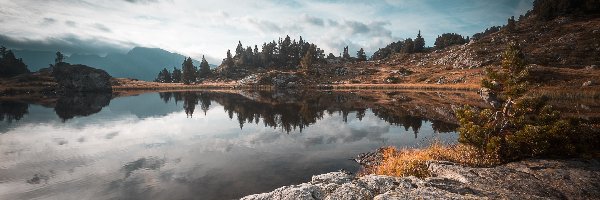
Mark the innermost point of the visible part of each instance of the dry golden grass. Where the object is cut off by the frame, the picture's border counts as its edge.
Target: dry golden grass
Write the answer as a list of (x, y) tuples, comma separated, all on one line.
[(413, 162), (567, 93), (410, 86)]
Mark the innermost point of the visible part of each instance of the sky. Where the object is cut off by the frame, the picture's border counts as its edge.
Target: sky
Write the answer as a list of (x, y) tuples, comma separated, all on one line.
[(200, 27)]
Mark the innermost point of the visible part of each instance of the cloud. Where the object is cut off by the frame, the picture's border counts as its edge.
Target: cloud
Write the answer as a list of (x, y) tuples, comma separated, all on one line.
[(102, 27), (196, 28), (48, 21), (71, 23), (69, 44), (313, 20), (141, 1)]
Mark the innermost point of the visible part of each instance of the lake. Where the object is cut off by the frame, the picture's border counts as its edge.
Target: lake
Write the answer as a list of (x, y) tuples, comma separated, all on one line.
[(206, 144)]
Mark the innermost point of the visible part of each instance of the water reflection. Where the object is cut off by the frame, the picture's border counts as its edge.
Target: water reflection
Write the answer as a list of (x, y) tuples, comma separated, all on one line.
[(66, 106), (12, 111), (291, 111), (81, 104), (204, 144)]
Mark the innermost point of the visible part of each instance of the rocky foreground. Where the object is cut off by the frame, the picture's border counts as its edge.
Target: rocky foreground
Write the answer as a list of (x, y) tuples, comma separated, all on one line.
[(530, 179)]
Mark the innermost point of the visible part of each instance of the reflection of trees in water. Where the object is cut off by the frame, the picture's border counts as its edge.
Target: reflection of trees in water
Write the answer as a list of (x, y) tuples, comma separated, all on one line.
[(67, 106), (12, 111), (299, 110), (165, 96), (81, 104), (190, 99)]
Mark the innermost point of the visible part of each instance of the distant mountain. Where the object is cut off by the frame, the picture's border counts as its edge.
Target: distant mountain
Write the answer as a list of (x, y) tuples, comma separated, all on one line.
[(140, 62)]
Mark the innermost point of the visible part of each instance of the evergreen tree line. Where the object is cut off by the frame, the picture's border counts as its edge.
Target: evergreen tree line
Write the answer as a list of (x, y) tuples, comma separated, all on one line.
[(450, 39), (9, 65), (188, 73), (487, 31), (404, 46), (284, 54)]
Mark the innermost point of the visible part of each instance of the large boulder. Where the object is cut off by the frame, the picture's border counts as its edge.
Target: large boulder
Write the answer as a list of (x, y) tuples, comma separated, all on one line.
[(81, 78)]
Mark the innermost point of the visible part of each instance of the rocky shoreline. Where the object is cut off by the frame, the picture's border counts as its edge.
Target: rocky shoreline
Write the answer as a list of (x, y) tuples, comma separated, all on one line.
[(529, 179)]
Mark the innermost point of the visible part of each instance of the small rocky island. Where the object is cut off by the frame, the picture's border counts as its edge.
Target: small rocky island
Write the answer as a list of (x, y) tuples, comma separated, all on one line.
[(528, 179)]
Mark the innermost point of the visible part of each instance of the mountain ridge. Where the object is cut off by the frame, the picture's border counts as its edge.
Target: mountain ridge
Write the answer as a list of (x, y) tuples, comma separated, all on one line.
[(139, 62)]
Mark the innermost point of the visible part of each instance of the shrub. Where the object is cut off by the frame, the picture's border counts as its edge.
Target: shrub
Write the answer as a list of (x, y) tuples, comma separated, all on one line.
[(521, 127)]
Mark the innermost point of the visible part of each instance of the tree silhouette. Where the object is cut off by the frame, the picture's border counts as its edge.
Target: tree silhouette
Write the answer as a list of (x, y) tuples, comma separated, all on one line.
[(408, 46), (189, 71), (176, 75), (10, 65), (449, 39), (164, 76), (228, 60), (511, 25), (345, 54), (204, 71), (59, 57), (307, 60), (419, 43), (360, 55)]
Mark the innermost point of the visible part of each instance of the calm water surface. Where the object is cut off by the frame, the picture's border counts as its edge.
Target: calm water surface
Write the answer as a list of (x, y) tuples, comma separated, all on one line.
[(197, 145)]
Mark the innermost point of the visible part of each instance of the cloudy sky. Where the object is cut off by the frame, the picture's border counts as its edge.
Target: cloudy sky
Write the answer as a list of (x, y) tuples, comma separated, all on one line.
[(196, 28)]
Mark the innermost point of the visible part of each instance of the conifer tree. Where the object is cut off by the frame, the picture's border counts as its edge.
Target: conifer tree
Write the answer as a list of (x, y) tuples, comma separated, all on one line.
[(10, 65), (239, 50), (419, 43), (345, 54), (511, 25), (59, 57), (189, 71), (228, 60), (176, 75), (204, 71), (360, 54), (330, 56), (518, 126), (408, 46), (164, 76), (308, 59)]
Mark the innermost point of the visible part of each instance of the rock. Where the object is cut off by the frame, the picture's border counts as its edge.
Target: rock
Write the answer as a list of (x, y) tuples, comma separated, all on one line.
[(81, 78), (529, 179), (587, 84), (591, 67), (275, 78), (333, 177), (488, 96)]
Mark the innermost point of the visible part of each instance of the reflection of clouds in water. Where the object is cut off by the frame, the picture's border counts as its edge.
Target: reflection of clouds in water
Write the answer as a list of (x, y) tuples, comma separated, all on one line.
[(172, 156)]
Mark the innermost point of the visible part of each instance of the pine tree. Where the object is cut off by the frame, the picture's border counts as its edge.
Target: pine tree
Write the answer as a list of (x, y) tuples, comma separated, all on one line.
[(10, 65), (511, 25), (408, 46), (59, 57), (419, 43), (522, 126), (449, 39), (308, 59), (189, 71), (176, 75), (204, 71), (239, 50), (360, 54), (248, 58), (345, 54), (330, 56), (228, 60), (257, 57), (164, 76)]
